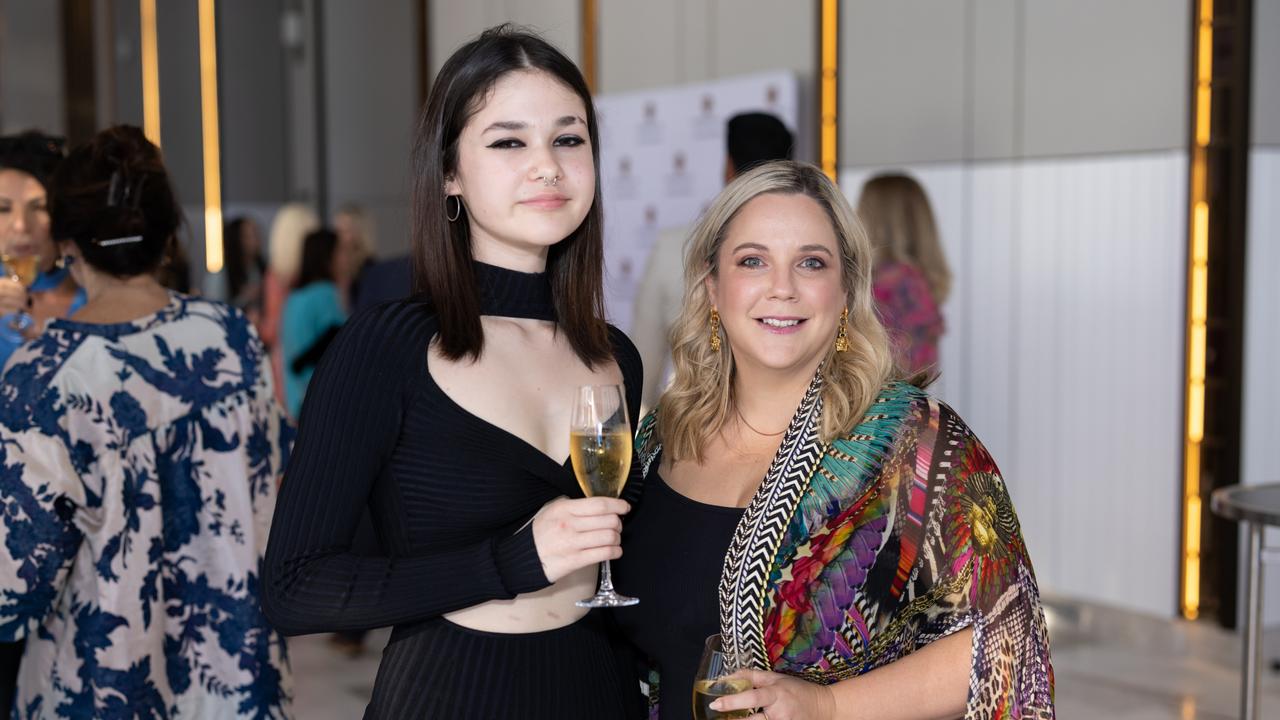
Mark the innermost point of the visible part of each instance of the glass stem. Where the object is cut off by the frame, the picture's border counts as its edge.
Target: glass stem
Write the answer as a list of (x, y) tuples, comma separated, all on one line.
[(606, 579)]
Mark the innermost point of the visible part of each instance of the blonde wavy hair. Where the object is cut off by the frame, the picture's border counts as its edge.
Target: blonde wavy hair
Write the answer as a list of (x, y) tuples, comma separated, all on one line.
[(365, 232), (284, 243), (698, 402), (896, 212)]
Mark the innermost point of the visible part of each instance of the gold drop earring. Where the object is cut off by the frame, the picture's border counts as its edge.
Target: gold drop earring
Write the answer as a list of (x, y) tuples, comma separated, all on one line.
[(715, 330), (842, 335)]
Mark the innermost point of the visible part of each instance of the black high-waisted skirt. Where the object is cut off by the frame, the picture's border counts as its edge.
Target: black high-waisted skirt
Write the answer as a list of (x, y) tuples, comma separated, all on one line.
[(437, 669)]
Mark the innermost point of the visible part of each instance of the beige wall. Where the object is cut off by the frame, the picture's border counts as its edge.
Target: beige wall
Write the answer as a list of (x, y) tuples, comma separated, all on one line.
[(1266, 73), (656, 43), (669, 42), (902, 82), (925, 82), (453, 23)]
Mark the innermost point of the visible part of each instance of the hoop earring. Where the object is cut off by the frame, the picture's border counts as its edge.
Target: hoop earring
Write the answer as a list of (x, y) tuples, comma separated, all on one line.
[(842, 335), (457, 213), (715, 330)]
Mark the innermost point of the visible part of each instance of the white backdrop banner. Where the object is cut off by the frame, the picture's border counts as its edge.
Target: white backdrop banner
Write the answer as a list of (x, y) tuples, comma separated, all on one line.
[(662, 163)]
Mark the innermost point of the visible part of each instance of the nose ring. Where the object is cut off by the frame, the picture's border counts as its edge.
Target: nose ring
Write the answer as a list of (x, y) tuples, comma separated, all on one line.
[(550, 182)]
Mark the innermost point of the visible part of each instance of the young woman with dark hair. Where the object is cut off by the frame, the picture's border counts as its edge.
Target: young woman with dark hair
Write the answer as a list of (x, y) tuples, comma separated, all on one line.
[(447, 415), (140, 445), (246, 265)]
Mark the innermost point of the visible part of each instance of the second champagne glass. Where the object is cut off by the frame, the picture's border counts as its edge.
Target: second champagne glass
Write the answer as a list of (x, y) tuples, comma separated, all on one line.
[(714, 680), (24, 269), (600, 446)]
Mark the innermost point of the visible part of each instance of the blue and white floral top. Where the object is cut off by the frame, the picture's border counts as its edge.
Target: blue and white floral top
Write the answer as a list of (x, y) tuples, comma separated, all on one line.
[(138, 468)]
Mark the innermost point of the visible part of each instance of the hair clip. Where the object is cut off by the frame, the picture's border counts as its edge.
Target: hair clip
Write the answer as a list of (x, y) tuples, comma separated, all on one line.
[(114, 195), (122, 192), (118, 241)]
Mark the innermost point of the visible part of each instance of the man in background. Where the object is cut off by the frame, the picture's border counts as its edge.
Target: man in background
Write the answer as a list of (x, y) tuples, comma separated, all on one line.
[(752, 138)]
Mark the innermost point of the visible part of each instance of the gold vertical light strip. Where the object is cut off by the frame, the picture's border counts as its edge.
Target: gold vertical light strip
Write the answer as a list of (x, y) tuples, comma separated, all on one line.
[(209, 138), (830, 57), (590, 58), (1197, 313), (150, 71)]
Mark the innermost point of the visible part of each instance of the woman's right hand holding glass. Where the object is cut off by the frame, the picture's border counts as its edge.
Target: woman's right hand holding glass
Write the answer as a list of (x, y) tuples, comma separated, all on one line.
[(573, 534), (13, 296)]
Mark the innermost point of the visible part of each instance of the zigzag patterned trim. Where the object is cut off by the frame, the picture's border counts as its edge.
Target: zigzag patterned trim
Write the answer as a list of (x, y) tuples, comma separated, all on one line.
[(646, 447), (750, 556)]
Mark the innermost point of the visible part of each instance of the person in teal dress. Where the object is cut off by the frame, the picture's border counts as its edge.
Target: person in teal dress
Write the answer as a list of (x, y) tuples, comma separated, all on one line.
[(313, 313)]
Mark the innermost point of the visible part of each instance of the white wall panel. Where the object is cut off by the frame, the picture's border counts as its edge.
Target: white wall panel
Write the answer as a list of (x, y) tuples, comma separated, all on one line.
[(1262, 345), (1102, 257), (1064, 353)]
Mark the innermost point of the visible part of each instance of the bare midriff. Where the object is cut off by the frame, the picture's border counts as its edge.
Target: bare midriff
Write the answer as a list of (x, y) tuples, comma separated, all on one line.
[(547, 609)]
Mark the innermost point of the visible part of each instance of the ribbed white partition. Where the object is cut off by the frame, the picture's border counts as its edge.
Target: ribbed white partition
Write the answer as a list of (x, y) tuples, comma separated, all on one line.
[(1262, 344), (1064, 352)]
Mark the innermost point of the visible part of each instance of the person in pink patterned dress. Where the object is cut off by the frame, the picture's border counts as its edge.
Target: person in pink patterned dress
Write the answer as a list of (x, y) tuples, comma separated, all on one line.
[(911, 278)]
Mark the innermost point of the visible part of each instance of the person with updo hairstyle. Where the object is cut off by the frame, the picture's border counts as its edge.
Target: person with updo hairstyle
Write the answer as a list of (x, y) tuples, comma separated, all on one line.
[(27, 161), (140, 447)]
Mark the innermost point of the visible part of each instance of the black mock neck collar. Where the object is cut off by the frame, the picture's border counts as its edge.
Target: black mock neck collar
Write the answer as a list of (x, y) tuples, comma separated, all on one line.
[(510, 293)]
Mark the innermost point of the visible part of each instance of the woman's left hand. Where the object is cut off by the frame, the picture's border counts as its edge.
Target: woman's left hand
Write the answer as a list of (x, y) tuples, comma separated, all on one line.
[(781, 697)]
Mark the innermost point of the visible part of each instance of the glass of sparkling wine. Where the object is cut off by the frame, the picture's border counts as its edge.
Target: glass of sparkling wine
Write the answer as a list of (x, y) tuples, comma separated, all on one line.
[(713, 680), (600, 446), (24, 269)]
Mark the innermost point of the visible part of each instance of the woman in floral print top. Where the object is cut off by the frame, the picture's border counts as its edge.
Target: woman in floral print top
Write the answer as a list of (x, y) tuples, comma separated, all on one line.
[(140, 446)]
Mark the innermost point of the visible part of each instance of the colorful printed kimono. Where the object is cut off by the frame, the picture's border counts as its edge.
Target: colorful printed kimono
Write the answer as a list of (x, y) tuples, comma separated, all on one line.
[(857, 552), (138, 469)]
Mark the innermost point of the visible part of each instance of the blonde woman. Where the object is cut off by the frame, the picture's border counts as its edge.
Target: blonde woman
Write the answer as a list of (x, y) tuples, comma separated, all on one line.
[(292, 223), (357, 233), (840, 528), (911, 278)]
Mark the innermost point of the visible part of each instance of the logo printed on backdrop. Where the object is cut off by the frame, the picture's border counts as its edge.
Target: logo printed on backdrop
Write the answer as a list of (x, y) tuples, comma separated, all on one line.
[(650, 131), (662, 159), (624, 183), (708, 125), (679, 183)]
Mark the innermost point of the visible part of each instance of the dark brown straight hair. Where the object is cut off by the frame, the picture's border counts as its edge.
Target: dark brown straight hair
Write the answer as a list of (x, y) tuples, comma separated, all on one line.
[(442, 258)]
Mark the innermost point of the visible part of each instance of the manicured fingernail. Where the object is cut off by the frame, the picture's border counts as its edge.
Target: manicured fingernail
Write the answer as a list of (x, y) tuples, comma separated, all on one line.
[(715, 705)]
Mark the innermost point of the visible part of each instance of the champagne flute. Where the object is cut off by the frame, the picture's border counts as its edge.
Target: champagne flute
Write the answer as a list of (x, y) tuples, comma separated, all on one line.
[(25, 269), (600, 446), (713, 681)]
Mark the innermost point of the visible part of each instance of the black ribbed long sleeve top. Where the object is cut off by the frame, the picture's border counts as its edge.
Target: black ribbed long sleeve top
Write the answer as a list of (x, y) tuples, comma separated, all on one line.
[(450, 494)]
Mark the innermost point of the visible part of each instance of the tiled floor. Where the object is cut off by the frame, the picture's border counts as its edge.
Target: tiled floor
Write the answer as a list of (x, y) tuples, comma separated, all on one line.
[(1109, 663)]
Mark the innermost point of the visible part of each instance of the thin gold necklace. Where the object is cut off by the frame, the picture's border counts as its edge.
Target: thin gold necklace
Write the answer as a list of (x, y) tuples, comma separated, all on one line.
[(738, 410)]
